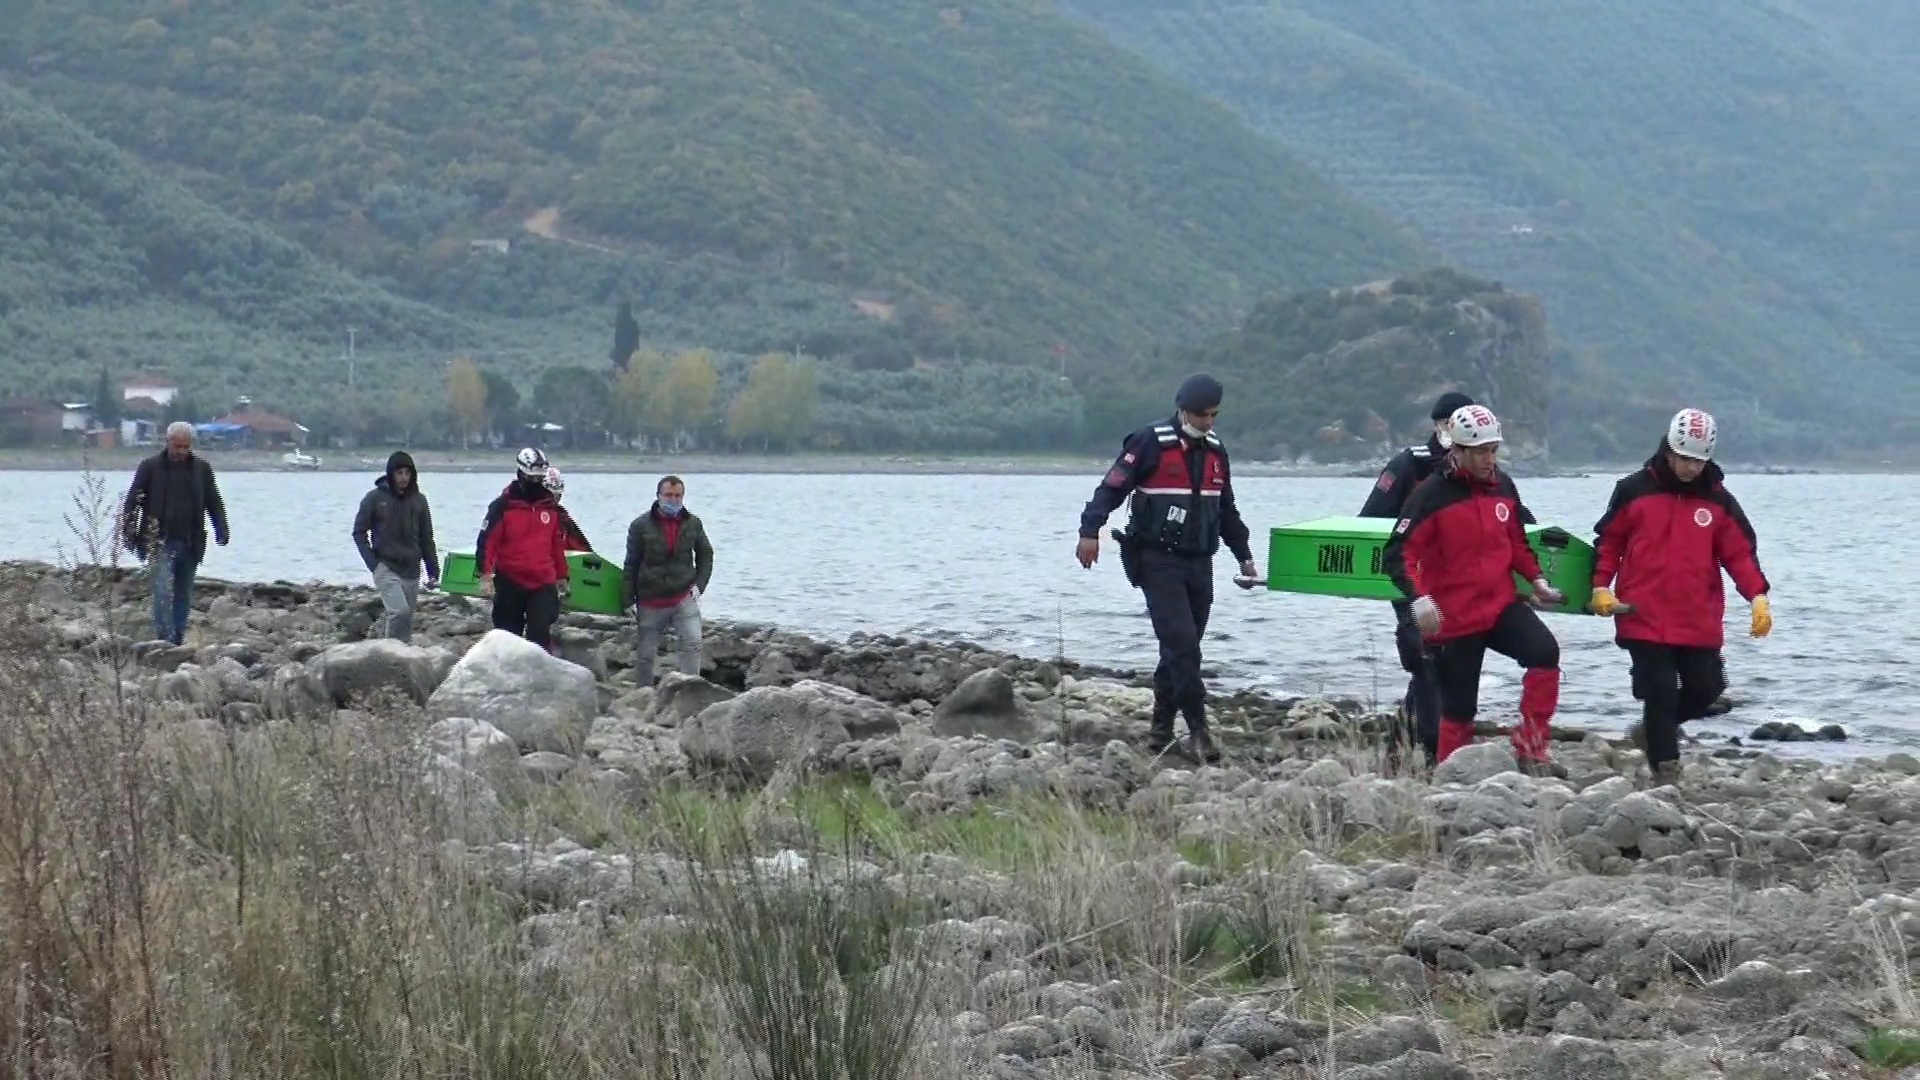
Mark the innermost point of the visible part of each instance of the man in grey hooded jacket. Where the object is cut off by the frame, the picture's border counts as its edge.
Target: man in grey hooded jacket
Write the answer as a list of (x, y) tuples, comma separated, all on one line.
[(394, 532)]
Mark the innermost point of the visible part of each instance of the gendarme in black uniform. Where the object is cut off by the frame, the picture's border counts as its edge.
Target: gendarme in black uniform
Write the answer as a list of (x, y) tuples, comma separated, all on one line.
[(1404, 472), (1181, 508)]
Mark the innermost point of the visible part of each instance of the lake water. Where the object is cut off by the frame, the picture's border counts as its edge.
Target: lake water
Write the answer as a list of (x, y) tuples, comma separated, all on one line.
[(990, 558)]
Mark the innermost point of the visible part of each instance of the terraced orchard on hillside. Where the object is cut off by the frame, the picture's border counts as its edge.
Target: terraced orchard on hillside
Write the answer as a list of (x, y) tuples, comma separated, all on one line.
[(1709, 205)]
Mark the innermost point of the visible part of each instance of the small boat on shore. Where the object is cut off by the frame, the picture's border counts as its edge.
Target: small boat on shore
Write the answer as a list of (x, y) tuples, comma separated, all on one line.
[(299, 459)]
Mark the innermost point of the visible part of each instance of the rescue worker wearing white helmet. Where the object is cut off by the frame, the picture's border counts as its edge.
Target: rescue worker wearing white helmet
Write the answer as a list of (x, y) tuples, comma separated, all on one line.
[(1668, 532), (524, 543), (576, 538), (1453, 553)]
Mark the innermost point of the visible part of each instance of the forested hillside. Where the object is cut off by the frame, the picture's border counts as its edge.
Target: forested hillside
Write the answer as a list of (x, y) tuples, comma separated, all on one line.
[(998, 179), (1710, 198), (1349, 373), (104, 265)]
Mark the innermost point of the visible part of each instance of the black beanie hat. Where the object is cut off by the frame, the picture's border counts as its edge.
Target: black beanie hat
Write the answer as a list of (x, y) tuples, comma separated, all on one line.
[(1446, 404), (1198, 394)]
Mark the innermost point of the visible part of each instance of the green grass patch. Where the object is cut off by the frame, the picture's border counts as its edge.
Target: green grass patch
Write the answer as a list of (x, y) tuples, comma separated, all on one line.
[(1892, 1048)]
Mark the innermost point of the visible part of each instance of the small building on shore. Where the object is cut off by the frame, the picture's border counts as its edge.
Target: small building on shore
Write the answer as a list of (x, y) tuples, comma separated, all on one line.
[(249, 427), (31, 421)]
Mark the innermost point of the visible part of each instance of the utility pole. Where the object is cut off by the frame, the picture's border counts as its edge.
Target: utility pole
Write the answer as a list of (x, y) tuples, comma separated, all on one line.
[(353, 398)]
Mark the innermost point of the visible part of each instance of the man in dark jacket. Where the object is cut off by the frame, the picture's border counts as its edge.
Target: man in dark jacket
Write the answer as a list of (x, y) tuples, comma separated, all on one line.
[(1175, 475), (669, 563), (394, 532), (164, 523), (1404, 472)]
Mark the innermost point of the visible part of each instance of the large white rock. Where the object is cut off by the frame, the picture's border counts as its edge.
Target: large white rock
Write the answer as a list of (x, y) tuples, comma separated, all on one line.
[(542, 702), (473, 744)]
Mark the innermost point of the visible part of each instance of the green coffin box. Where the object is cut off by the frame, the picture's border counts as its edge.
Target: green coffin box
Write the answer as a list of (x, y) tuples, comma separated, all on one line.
[(593, 583), (1340, 556)]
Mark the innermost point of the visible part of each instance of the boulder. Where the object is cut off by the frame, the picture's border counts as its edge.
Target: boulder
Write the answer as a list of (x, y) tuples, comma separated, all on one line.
[(1472, 764), (472, 744), (679, 697), (985, 704), (540, 701), (767, 726), (362, 667)]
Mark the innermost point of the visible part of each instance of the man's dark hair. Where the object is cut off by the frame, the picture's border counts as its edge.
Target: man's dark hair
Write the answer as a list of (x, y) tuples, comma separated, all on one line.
[(665, 481)]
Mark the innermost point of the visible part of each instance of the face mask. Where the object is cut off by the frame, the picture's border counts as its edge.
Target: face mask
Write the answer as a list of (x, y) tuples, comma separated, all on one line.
[(670, 507)]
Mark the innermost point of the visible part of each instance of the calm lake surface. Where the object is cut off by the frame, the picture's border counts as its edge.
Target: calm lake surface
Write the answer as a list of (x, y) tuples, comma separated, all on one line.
[(990, 559)]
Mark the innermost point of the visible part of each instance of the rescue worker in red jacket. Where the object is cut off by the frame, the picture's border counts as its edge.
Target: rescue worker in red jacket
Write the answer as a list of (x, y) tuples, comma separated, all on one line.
[(576, 538), (1453, 553), (1182, 508), (524, 543), (1667, 533)]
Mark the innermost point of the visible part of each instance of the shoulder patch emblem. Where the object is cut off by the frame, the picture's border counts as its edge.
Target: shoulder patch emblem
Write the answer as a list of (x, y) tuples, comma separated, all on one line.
[(1400, 526), (1127, 457), (1385, 483), (1703, 517), (1117, 477)]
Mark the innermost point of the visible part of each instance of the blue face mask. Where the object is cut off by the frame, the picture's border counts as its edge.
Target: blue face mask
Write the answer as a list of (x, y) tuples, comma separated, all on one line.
[(670, 507)]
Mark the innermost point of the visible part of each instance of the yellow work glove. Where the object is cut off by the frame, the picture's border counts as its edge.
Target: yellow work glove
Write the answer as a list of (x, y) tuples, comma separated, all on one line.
[(1762, 616), (1603, 601)]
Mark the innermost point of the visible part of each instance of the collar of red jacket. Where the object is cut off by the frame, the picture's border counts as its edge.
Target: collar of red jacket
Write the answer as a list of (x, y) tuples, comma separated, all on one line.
[(1709, 479)]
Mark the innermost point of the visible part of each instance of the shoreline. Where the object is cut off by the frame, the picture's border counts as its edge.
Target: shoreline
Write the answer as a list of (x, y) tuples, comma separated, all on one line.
[(1230, 696), (813, 464)]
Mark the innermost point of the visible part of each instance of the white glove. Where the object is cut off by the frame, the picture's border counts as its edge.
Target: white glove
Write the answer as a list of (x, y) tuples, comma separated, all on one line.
[(693, 593), (1547, 595), (1426, 615)]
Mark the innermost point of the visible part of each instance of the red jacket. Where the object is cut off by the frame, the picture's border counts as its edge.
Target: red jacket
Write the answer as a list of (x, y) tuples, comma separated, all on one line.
[(524, 538), (1460, 541), (1661, 544)]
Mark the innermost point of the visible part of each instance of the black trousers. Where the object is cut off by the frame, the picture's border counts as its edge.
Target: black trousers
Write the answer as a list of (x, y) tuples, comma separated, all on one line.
[(1518, 635), (1674, 683), (1423, 690), (527, 612), (1179, 592)]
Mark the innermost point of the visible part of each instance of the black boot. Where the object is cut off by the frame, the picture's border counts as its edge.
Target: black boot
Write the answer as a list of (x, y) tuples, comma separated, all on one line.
[(1160, 733), (1203, 747)]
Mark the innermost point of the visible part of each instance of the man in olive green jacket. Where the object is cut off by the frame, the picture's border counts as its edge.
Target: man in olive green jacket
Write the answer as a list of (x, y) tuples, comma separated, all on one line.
[(669, 563)]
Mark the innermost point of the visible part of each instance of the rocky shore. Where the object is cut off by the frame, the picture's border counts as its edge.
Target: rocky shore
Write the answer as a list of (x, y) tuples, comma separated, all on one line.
[(1300, 910)]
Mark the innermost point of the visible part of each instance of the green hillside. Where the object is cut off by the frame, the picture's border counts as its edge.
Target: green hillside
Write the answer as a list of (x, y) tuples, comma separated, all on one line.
[(995, 179), (103, 263), (1711, 199), (106, 266)]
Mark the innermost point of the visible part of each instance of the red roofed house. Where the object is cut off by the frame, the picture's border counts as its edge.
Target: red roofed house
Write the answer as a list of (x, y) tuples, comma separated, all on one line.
[(148, 395), (30, 421)]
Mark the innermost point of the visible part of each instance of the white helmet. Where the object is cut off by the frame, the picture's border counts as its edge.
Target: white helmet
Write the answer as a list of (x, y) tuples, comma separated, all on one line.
[(555, 483), (1474, 425), (531, 464), (1692, 434)]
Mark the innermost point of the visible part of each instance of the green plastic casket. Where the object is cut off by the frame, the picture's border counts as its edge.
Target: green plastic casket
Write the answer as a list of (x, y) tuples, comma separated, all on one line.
[(593, 583), (1340, 556)]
